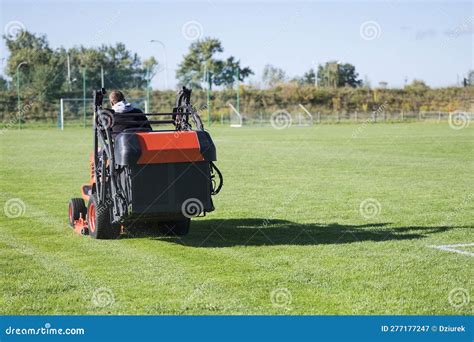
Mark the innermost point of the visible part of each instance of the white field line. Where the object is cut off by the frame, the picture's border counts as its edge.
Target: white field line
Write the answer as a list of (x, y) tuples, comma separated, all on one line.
[(455, 248)]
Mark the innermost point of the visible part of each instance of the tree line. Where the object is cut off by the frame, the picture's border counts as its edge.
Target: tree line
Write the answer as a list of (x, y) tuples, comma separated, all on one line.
[(46, 74)]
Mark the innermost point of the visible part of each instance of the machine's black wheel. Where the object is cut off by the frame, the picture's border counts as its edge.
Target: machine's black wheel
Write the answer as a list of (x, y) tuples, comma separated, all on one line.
[(176, 228), (77, 207), (98, 219)]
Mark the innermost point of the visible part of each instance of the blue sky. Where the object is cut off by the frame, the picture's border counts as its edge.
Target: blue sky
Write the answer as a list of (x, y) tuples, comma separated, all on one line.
[(386, 40)]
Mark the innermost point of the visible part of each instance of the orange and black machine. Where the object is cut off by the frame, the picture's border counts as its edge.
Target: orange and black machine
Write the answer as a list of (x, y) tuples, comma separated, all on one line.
[(142, 177)]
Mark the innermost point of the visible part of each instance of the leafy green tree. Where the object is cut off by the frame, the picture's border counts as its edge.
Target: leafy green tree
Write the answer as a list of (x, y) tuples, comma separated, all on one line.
[(86, 61), (43, 75), (201, 57), (150, 66), (227, 75), (470, 78), (122, 68), (348, 77), (308, 78), (272, 75), (417, 86), (335, 74), (3, 84)]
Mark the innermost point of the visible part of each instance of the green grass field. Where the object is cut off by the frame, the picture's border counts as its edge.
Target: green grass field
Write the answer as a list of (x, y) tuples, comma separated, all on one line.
[(287, 236)]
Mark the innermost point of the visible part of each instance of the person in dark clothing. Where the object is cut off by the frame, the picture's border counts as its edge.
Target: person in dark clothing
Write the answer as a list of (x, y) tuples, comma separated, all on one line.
[(121, 106)]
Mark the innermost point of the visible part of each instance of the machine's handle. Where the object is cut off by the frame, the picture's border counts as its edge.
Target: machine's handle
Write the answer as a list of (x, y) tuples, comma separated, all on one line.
[(98, 96)]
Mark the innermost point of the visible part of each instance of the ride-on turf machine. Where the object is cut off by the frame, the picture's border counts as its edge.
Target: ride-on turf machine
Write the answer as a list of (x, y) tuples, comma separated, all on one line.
[(143, 177)]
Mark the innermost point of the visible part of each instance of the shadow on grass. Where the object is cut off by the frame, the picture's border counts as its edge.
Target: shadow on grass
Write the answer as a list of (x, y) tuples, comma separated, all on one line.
[(260, 232)]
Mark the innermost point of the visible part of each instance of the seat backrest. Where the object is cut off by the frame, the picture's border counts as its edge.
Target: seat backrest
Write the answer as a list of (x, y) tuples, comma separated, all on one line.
[(163, 147)]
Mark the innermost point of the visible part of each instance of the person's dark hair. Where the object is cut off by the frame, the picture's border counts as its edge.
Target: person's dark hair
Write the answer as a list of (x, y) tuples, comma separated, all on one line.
[(116, 96)]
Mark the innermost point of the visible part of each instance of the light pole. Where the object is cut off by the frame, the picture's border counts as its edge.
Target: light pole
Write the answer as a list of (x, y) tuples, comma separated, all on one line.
[(333, 73), (315, 70), (84, 93), (237, 77), (315, 77), (207, 80), (337, 73), (18, 91), (69, 72), (164, 59), (148, 105)]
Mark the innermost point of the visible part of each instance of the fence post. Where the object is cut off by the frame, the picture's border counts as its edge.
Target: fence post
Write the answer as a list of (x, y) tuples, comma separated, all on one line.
[(62, 114), (319, 117)]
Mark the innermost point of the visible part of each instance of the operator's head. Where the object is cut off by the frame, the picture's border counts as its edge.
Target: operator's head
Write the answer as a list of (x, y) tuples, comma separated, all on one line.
[(115, 97)]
